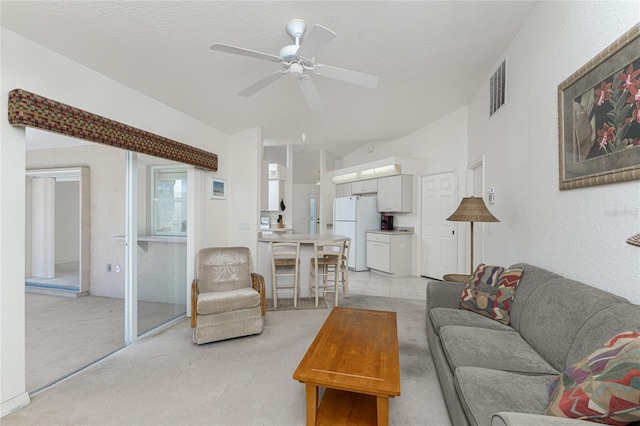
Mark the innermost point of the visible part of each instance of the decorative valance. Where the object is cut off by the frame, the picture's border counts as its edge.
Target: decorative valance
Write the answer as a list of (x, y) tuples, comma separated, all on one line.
[(30, 110)]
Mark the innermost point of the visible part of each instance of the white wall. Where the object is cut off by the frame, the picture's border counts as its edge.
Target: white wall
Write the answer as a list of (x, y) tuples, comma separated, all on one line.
[(32, 67), (441, 145), (578, 233), (245, 150)]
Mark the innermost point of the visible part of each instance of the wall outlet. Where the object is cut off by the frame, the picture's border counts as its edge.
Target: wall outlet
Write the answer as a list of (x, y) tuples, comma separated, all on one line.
[(108, 267), (117, 268)]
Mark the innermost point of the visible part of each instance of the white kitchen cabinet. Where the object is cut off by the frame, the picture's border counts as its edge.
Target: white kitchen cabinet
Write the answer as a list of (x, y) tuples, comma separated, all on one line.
[(368, 186), (343, 190), (389, 252), (276, 193), (395, 194), (378, 256)]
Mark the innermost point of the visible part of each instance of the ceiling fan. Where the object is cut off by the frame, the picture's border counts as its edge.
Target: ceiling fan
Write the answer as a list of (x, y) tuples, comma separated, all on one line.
[(298, 58)]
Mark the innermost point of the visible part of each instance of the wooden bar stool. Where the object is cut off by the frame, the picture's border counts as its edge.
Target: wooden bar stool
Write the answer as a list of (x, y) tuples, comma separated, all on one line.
[(344, 267), (325, 264), (285, 256)]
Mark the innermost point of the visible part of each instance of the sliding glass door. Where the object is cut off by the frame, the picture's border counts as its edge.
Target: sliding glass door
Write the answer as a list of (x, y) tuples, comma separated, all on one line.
[(158, 226)]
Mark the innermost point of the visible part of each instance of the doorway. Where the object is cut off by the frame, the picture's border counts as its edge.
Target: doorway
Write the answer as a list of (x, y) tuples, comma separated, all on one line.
[(438, 240)]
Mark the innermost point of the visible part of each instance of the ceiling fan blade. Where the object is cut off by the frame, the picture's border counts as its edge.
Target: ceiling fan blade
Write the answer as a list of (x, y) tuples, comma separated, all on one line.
[(315, 41), (261, 84), (219, 47), (354, 77), (310, 93)]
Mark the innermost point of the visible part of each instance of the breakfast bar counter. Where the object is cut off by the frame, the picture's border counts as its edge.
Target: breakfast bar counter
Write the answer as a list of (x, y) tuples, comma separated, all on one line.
[(306, 253)]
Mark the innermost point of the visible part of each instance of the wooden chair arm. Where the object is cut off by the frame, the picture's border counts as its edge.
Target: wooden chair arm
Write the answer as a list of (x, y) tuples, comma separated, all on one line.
[(194, 303), (257, 281)]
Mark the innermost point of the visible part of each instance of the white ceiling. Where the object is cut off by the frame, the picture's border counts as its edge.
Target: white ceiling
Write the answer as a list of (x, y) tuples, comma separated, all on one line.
[(430, 57)]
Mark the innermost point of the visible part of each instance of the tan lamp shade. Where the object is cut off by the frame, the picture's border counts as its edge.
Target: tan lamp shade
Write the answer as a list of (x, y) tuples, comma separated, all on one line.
[(634, 240), (472, 209)]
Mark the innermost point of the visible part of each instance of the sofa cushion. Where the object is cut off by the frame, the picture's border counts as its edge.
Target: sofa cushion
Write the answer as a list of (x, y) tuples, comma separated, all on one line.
[(600, 327), (484, 392), (492, 300), (498, 350), (532, 278), (441, 317), (225, 301), (605, 386), (556, 311)]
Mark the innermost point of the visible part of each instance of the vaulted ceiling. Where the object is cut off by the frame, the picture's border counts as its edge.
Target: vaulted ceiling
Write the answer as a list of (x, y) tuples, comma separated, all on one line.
[(430, 57)]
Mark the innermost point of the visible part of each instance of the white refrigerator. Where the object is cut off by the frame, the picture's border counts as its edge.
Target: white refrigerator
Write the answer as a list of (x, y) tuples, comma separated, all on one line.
[(353, 217)]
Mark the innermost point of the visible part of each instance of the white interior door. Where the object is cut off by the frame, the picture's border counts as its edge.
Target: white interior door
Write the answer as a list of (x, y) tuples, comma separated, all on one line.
[(438, 239)]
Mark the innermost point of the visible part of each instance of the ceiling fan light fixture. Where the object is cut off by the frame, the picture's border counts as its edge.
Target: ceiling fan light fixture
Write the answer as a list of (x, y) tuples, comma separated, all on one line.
[(296, 69)]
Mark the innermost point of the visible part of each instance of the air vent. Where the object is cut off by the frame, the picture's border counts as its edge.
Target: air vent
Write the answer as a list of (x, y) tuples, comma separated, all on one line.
[(498, 88)]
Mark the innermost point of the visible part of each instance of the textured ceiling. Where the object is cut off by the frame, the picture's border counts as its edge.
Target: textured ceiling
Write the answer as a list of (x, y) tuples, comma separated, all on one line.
[(430, 57)]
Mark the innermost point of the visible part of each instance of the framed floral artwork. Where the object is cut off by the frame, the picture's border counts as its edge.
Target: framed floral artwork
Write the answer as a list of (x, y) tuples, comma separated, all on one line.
[(599, 117), (218, 188)]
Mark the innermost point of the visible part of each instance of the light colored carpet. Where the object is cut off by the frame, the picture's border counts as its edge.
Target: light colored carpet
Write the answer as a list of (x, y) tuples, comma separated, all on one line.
[(167, 380), (65, 334)]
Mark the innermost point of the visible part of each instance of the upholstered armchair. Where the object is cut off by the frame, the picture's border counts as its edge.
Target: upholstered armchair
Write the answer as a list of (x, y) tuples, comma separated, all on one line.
[(227, 299)]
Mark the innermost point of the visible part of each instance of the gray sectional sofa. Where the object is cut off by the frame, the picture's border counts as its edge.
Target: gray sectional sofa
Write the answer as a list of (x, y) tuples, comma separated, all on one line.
[(495, 374)]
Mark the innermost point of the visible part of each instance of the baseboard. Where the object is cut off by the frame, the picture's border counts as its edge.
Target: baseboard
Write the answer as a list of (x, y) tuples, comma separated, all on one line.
[(14, 404)]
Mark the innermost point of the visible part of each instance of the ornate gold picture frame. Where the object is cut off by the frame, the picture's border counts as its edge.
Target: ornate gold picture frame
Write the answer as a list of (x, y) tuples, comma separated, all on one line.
[(599, 117)]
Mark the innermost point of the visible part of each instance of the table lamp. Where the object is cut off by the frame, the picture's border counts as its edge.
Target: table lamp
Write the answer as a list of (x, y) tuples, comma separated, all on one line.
[(472, 209)]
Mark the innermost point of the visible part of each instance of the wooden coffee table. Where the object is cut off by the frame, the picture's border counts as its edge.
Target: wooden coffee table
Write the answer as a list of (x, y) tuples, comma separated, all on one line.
[(355, 358)]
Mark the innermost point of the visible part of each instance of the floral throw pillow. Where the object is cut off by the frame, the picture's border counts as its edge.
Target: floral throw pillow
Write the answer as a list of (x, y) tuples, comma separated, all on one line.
[(604, 387), (490, 292)]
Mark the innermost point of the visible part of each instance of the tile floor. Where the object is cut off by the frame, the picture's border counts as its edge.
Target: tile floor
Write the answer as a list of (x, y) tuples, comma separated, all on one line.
[(374, 284)]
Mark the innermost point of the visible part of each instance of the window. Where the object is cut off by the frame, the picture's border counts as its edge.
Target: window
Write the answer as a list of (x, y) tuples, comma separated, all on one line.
[(169, 200)]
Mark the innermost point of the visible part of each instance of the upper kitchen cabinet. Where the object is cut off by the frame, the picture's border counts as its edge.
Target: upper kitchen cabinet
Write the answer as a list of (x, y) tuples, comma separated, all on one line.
[(395, 193), (343, 190), (364, 186)]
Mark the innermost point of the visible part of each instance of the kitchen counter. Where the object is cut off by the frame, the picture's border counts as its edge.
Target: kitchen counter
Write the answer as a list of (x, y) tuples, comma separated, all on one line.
[(271, 231), (306, 253), (302, 238), (394, 232)]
